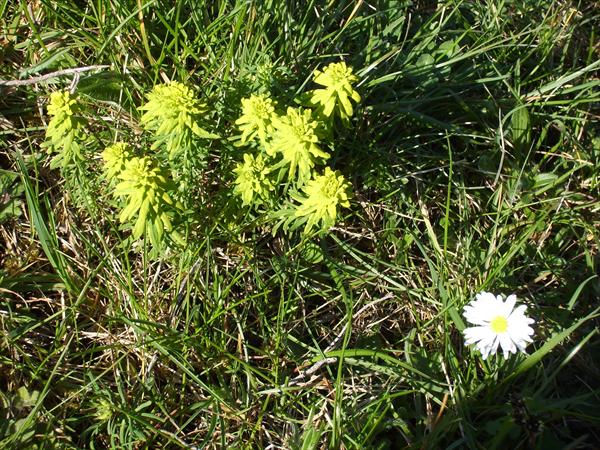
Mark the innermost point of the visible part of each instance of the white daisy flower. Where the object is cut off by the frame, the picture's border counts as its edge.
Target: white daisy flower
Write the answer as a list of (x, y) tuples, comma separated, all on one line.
[(497, 323)]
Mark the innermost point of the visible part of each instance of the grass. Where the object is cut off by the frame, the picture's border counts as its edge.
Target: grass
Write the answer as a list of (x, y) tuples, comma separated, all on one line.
[(474, 160)]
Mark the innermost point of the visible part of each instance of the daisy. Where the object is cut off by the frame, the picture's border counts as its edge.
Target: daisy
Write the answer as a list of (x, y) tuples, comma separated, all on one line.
[(498, 323)]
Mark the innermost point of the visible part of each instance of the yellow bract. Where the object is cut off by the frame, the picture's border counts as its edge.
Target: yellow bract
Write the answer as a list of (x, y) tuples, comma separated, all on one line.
[(252, 182), (257, 115), (62, 105), (173, 113), (170, 106), (338, 80), (115, 157), (65, 129), (146, 189), (296, 139), (324, 194)]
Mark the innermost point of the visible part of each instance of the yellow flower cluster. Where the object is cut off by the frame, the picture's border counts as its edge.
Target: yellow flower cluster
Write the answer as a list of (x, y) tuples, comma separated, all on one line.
[(173, 112), (115, 157), (258, 112), (146, 189), (295, 138), (338, 81), (324, 194), (65, 129), (292, 142), (253, 183)]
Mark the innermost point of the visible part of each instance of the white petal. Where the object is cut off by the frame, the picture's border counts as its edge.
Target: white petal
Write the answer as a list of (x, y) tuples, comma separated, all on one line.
[(521, 346), (509, 304), (507, 345), (484, 350), (481, 310), (486, 296), (519, 327), (519, 311), (474, 316), (485, 347), (496, 343), (474, 334), (521, 337)]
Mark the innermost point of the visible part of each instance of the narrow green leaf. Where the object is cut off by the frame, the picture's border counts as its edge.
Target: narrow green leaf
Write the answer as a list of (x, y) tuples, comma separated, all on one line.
[(555, 340)]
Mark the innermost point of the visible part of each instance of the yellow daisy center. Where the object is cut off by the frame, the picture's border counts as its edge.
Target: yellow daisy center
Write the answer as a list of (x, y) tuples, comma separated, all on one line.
[(499, 324)]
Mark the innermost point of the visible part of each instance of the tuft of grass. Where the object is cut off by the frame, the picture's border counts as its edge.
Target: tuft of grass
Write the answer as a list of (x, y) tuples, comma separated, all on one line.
[(474, 159)]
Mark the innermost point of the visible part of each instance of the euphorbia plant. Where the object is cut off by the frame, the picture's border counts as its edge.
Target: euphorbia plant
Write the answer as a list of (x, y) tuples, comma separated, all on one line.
[(173, 114), (334, 97), (295, 139), (65, 130), (145, 188), (282, 179), (294, 143)]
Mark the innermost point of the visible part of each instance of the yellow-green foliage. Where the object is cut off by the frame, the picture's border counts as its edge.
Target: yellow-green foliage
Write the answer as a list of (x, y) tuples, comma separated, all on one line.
[(257, 116), (115, 157), (324, 194), (282, 175), (173, 113), (338, 81), (104, 409), (146, 190), (65, 130), (252, 180), (295, 138), (292, 141)]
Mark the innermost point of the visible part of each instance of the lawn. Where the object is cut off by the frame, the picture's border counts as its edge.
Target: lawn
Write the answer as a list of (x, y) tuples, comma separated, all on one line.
[(257, 224)]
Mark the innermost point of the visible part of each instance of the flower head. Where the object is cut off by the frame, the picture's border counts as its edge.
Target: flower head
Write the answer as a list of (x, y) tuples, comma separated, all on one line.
[(252, 180), (296, 139), (62, 105), (324, 194), (338, 80), (257, 115), (115, 157), (173, 113), (498, 323), (65, 129), (104, 409), (146, 188)]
